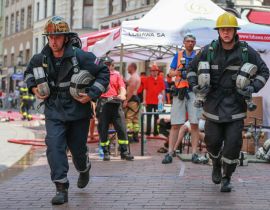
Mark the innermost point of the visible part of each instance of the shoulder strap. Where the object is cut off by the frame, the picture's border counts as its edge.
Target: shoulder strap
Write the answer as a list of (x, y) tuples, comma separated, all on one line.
[(244, 49), (213, 46), (211, 49), (180, 55), (44, 61), (74, 61)]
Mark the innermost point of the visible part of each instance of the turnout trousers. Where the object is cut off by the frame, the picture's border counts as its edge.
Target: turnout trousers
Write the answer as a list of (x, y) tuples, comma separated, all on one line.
[(112, 113), (224, 141), (132, 116), (61, 136)]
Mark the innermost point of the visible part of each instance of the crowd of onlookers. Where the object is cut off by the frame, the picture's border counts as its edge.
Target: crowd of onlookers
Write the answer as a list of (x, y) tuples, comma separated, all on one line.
[(9, 100)]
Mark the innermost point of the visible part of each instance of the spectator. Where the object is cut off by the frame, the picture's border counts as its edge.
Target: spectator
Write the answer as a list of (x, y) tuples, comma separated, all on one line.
[(183, 99), (132, 104), (154, 85), (168, 91), (165, 126)]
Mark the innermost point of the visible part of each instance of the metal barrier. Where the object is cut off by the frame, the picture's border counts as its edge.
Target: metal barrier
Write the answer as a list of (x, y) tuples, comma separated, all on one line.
[(142, 126)]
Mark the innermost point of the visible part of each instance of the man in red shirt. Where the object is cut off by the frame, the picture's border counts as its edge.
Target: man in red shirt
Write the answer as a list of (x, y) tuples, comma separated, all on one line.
[(109, 110), (154, 85)]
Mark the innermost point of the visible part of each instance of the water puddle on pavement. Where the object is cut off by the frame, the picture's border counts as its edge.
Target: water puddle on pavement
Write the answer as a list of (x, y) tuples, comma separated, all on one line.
[(34, 154)]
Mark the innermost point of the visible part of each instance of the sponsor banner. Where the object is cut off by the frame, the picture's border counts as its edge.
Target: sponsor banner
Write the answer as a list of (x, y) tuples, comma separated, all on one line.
[(254, 37)]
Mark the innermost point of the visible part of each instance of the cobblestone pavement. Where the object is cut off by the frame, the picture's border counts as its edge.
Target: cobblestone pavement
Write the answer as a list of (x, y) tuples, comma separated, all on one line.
[(142, 184)]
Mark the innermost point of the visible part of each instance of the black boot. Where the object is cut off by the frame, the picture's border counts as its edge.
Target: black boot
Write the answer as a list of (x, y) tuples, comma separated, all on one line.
[(130, 138), (83, 179), (106, 152), (126, 156), (228, 170), (226, 184), (61, 196), (216, 172), (136, 137), (106, 157)]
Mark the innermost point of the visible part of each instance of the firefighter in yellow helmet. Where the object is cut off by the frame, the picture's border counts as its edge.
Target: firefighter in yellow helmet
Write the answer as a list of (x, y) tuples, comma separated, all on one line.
[(50, 76), (223, 62)]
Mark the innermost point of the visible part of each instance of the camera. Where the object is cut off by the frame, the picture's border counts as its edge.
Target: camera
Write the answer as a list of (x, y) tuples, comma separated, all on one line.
[(183, 69), (172, 90)]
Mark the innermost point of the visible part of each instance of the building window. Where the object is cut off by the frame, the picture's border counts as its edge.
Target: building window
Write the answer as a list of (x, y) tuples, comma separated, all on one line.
[(124, 5), (22, 19), (27, 55), (12, 20), (20, 59), (12, 60), (37, 11), (29, 16), (7, 3), (115, 24), (17, 23), (266, 2), (110, 7), (36, 44), (88, 13), (5, 60), (45, 8), (53, 7), (6, 26), (104, 27)]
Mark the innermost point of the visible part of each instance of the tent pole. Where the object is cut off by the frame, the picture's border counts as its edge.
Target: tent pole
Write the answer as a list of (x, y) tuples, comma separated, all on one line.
[(121, 60)]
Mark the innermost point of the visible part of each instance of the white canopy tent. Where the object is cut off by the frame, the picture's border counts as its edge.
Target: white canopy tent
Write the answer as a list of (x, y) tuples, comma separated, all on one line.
[(161, 30), (157, 35), (170, 20)]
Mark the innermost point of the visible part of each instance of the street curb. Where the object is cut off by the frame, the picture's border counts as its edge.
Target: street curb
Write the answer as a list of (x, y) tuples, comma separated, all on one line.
[(12, 153)]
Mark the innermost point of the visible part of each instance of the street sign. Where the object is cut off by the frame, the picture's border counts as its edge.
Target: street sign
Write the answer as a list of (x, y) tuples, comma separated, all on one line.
[(17, 76)]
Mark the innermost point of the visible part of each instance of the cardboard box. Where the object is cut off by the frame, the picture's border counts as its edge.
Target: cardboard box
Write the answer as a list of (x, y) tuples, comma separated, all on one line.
[(258, 113), (249, 145)]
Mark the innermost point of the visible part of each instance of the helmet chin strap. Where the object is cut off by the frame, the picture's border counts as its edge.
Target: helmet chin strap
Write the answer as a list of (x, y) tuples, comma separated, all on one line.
[(66, 41)]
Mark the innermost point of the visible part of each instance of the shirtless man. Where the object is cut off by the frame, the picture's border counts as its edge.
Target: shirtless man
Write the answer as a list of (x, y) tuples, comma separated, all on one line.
[(131, 104)]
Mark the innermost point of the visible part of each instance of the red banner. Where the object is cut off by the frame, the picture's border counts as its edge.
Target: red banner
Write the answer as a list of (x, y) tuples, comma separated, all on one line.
[(254, 37)]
